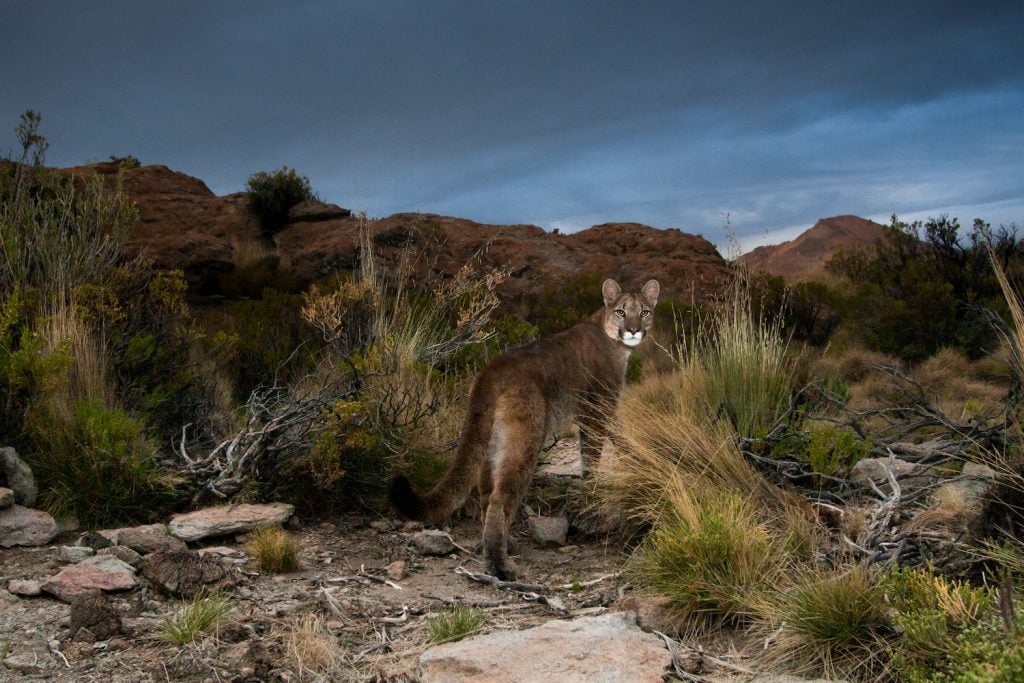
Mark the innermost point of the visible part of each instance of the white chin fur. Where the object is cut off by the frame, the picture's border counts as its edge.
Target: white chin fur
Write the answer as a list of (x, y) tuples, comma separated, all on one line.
[(632, 340)]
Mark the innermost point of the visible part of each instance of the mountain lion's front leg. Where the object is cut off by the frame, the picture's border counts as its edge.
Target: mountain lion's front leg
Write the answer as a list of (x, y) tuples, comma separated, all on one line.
[(593, 433)]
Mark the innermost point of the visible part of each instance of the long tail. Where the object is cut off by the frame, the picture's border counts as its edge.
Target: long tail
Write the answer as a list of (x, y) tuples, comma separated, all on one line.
[(451, 492)]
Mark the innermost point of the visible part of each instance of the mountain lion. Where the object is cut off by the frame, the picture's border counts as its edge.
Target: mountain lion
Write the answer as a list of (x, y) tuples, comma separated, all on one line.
[(521, 397)]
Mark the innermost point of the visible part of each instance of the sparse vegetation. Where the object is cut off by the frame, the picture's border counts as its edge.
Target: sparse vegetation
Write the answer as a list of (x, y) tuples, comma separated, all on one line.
[(455, 624), (272, 195), (274, 550), (310, 650), (196, 619)]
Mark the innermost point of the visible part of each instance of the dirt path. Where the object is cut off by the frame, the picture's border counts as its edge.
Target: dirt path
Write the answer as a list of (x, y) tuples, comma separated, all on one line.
[(381, 627)]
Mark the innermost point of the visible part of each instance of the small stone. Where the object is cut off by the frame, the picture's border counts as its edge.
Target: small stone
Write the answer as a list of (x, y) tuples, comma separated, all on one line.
[(149, 538), (381, 526), (874, 469), (28, 588), (25, 663), (83, 635), (123, 553), (412, 525), (68, 524), (223, 551), (432, 542), (98, 539), (6, 497), (398, 570), (23, 526), (568, 549), (549, 530), (8, 597), (294, 523), (74, 553), (225, 520)]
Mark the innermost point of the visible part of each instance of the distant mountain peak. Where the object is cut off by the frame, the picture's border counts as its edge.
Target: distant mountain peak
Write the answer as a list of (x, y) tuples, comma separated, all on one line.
[(806, 255)]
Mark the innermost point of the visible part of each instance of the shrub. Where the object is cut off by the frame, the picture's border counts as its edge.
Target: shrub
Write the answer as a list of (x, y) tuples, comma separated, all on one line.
[(714, 558), (272, 195), (274, 550), (195, 619), (98, 465), (831, 623), (455, 624)]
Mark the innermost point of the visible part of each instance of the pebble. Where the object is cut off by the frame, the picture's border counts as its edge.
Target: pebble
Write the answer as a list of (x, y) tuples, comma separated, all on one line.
[(398, 570)]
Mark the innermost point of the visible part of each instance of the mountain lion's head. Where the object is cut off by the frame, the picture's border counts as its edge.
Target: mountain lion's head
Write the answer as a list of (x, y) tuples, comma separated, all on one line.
[(628, 317)]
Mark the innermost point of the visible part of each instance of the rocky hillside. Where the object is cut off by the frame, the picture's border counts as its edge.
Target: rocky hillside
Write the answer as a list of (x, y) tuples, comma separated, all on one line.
[(807, 255), (185, 225)]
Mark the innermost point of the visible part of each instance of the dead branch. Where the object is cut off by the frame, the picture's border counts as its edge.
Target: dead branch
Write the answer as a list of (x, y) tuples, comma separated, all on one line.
[(498, 583)]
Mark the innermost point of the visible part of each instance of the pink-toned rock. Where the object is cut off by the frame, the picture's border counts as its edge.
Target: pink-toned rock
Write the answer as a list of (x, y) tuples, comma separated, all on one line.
[(22, 526), (228, 519), (102, 572), (398, 570), (610, 647), (6, 497)]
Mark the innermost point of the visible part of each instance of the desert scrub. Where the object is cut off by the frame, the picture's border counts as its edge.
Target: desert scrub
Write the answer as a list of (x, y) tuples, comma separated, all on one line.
[(272, 195), (194, 619), (274, 550), (455, 624), (713, 557)]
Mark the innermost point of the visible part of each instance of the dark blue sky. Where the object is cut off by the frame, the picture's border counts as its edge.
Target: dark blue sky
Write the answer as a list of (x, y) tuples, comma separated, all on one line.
[(561, 113)]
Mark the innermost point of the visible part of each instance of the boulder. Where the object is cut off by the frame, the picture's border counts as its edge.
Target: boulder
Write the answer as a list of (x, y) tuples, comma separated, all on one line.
[(610, 647), (18, 476), (185, 574), (149, 538), (102, 572), (22, 526), (228, 519), (6, 497), (432, 542), (549, 530), (93, 613)]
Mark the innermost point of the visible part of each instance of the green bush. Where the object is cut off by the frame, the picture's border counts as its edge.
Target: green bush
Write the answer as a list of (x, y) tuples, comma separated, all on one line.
[(98, 465), (272, 195), (715, 559)]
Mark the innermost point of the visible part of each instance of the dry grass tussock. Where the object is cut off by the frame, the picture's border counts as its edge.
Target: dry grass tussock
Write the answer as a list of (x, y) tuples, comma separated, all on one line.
[(949, 506), (88, 375), (274, 549), (310, 650)]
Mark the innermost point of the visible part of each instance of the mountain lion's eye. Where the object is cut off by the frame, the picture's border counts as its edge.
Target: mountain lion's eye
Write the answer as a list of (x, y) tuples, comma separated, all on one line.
[(619, 312), (644, 313)]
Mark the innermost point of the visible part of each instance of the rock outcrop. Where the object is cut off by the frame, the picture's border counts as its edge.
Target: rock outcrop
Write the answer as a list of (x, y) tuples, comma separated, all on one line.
[(182, 224)]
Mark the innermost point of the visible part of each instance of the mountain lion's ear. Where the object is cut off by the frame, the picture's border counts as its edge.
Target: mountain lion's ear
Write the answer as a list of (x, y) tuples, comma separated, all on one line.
[(651, 291), (610, 290)]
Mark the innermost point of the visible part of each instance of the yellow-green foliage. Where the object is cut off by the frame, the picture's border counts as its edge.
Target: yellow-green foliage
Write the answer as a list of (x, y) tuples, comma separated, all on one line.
[(713, 557), (828, 449), (832, 623), (195, 619), (455, 624), (274, 550)]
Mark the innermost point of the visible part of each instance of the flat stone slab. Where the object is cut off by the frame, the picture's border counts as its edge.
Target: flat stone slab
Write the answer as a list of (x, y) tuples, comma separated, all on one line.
[(103, 572), (228, 519), (26, 527), (606, 648), (149, 538)]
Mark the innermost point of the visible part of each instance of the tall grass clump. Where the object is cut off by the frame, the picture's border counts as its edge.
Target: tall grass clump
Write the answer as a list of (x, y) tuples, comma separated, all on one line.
[(274, 550), (746, 362), (310, 649), (195, 619), (830, 623), (713, 557)]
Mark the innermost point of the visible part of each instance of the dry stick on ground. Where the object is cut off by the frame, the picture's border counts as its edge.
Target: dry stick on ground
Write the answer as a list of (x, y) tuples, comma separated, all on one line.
[(498, 583)]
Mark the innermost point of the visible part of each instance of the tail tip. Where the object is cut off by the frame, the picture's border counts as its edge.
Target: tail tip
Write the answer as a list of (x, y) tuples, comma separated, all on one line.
[(404, 499)]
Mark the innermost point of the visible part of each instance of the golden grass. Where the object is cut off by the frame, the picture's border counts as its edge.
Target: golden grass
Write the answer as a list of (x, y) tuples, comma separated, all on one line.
[(310, 650), (274, 550), (949, 506)]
